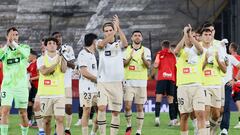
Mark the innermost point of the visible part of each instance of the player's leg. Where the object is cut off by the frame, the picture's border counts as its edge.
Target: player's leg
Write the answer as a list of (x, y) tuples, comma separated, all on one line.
[(160, 89), (170, 93), (59, 111), (80, 111), (115, 105), (24, 120), (85, 117), (7, 99), (215, 109), (38, 116), (226, 115), (68, 109), (128, 98), (21, 102), (102, 105), (94, 109), (185, 105), (199, 109), (207, 109)]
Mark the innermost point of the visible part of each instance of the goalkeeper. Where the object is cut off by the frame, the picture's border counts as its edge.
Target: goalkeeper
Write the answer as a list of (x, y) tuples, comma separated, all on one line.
[(15, 82)]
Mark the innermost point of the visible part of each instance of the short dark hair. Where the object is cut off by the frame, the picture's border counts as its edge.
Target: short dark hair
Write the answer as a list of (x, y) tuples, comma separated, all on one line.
[(173, 45), (136, 31), (234, 46), (55, 33), (198, 31), (12, 28), (107, 24), (89, 38), (205, 30), (207, 24), (50, 39), (33, 52), (165, 44)]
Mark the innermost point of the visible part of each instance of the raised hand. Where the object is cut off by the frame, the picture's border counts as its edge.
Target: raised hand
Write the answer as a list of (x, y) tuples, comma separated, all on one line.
[(10, 38), (116, 23)]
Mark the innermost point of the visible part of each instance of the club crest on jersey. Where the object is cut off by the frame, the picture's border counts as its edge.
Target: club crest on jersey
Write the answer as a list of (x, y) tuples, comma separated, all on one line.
[(117, 45)]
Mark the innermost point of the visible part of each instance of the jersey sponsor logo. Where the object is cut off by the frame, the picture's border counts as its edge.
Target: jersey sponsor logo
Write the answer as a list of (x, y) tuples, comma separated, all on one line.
[(208, 72), (47, 82), (167, 75), (14, 60), (186, 70), (132, 68)]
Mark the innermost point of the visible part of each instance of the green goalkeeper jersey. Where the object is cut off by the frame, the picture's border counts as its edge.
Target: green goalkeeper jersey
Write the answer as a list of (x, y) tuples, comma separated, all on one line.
[(15, 62)]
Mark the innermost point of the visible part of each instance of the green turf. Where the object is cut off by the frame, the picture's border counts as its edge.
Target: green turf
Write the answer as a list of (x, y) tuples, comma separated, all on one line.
[(148, 127)]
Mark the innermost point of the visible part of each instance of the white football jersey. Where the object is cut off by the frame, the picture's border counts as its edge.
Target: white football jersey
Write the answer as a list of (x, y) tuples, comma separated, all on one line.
[(88, 60), (111, 63)]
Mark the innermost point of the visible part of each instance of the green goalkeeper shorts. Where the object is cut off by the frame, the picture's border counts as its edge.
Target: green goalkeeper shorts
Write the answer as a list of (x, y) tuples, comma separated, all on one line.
[(19, 96)]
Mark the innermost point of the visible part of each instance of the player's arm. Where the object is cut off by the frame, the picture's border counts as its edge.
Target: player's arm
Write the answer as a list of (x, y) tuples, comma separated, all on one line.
[(205, 62), (221, 64), (48, 70), (3, 52), (24, 50), (195, 43), (84, 72), (106, 40), (146, 61), (179, 46), (71, 64), (117, 27), (237, 77), (127, 59), (63, 64), (236, 63), (155, 66), (34, 78)]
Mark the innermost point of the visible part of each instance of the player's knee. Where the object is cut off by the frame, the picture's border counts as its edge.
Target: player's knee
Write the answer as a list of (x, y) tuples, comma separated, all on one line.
[(22, 112), (200, 115), (115, 113), (5, 111), (170, 99), (86, 110), (68, 109), (159, 97), (127, 108), (47, 121), (30, 103), (102, 108), (36, 107), (184, 117), (59, 119), (215, 115), (139, 108)]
